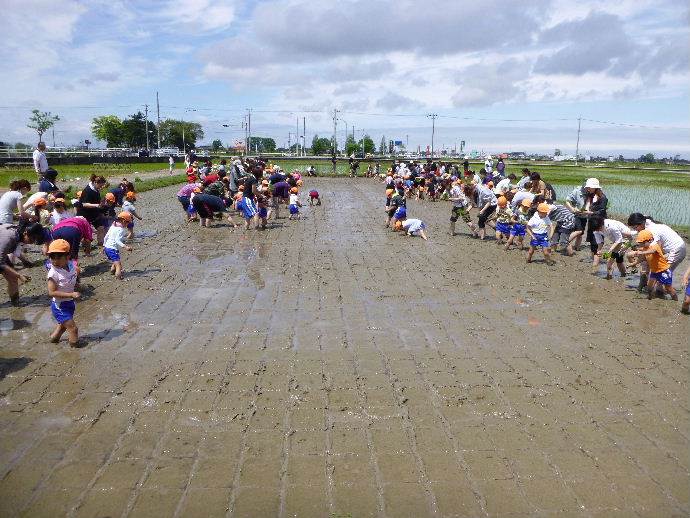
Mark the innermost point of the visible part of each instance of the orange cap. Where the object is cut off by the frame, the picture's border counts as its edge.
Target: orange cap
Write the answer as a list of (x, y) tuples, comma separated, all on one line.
[(110, 197), (41, 202), (125, 217), (502, 201), (389, 192), (196, 189), (644, 235), (131, 195), (294, 190), (543, 207), (58, 246), (78, 194), (398, 225), (526, 203)]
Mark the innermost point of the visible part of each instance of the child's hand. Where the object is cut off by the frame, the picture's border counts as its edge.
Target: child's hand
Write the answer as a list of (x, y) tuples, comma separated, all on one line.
[(128, 248), (76, 294)]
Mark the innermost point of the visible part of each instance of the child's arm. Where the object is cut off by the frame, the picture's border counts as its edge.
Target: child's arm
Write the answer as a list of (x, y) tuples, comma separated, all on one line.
[(136, 215), (54, 292), (552, 230)]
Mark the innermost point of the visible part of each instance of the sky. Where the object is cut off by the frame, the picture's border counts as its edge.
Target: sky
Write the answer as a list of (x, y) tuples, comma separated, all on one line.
[(501, 75)]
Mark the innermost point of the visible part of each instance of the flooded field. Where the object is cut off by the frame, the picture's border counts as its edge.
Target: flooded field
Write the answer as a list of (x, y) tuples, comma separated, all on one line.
[(327, 367)]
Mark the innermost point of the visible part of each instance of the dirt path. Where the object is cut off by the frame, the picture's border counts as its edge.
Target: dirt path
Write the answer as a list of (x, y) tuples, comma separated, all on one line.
[(329, 366)]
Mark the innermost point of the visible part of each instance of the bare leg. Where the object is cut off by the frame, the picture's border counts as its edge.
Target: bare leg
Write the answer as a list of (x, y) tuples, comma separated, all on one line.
[(72, 332), (57, 333)]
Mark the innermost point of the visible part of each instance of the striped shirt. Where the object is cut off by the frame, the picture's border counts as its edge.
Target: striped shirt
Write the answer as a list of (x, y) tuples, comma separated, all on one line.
[(561, 214)]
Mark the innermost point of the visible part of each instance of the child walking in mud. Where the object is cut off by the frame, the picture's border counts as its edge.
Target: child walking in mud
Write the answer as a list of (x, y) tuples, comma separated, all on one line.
[(294, 203), (538, 229), (62, 279), (115, 240), (128, 206), (504, 216), (659, 272), (519, 225)]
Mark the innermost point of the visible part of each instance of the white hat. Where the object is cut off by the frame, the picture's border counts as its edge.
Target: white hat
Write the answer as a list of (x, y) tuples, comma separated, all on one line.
[(592, 183)]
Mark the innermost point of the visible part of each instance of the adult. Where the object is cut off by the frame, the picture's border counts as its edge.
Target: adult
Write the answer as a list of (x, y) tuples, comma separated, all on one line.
[(121, 190), (236, 175), (206, 205), (537, 185), (251, 189), (489, 164), (11, 236), (184, 195), (505, 185), (525, 178), (12, 200), (575, 201), (563, 229), (671, 243), (40, 159), (616, 232), (171, 164), (501, 168), (47, 182), (90, 206), (596, 203), (76, 231), (485, 201)]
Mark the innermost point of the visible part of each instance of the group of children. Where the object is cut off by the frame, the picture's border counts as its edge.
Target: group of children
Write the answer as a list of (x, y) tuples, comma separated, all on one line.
[(253, 188), (61, 225), (524, 214)]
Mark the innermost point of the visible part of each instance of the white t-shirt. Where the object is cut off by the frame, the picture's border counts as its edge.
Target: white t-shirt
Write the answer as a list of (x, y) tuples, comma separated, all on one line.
[(66, 280), (413, 225), (8, 204), (457, 192), (32, 199), (115, 237), (40, 161), (519, 197), (503, 186), (489, 166), (128, 206), (294, 198), (56, 217), (613, 230), (171, 161), (668, 239), (539, 225)]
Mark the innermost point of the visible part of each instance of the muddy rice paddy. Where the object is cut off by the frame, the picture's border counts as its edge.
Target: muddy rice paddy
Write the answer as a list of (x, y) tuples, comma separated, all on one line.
[(328, 367)]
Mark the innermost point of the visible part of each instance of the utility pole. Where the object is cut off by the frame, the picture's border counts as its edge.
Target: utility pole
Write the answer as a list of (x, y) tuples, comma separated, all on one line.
[(158, 118), (53, 128), (407, 143), (433, 130), (297, 137), (249, 129), (146, 114), (304, 136), (289, 141), (577, 146), (335, 141)]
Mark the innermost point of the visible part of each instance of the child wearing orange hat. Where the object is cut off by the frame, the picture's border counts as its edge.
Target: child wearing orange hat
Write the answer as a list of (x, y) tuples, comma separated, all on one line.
[(128, 206), (108, 206), (538, 229), (660, 274), (62, 279), (41, 213), (294, 203), (59, 212), (504, 217), (114, 240)]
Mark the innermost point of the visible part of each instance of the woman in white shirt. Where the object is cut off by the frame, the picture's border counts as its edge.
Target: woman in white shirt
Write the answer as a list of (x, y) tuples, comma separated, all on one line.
[(616, 232)]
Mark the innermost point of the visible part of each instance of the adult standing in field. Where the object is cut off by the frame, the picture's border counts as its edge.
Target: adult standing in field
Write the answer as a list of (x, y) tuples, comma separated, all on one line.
[(595, 205), (171, 164), (576, 203), (489, 165), (501, 168), (90, 206), (40, 159)]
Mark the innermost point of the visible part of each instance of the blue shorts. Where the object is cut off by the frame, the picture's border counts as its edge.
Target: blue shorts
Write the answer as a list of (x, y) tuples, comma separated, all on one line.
[(503, 228), (248, 208), (400, 213), (63, 311), (687, 290), (665, 277), (294, 209), (263, 212), (540, 240), (112, 254), (130, 226), (518, 230)]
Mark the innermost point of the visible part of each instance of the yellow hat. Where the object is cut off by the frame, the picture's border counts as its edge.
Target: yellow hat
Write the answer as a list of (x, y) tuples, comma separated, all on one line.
[(294, 190), (58, 246), (110, 197), (131, 195), (125, 217), (526, 203), (41, 202), (543, 207), (644, 235), (502, 201)]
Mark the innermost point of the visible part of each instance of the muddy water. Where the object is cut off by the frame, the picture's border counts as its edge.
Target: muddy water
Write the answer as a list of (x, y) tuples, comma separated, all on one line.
[(327, 366)]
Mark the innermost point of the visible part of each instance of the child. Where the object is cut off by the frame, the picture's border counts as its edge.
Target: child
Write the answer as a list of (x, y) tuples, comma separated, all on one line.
[(108, 207), (59, 212), (519, 224), (658, 265), (314, 197), (414, 227), (397, 209), (62, 279), (620, 235), (41, 212), (262, 201), (294, 203), (460, 208), (114, 240), (538, 230), (685, 308), (128, 206), (504, 216), (389, 213)]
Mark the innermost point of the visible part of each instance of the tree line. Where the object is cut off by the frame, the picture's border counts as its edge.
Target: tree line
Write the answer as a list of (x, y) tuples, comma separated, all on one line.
[(131, 132)]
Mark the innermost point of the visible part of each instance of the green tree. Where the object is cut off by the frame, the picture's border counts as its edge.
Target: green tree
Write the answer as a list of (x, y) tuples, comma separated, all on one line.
[(383, 146), (21, 145), (351, 146), (134, 131), (41, 122), (648, 158), (109, 129), (216, 145), (174, 132), (367, 144), (263, 144), (321, 146)]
